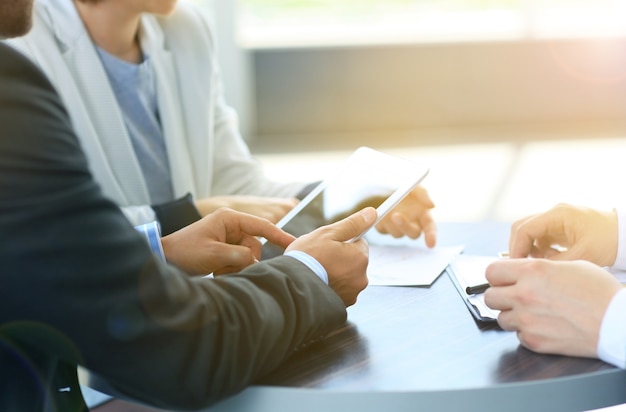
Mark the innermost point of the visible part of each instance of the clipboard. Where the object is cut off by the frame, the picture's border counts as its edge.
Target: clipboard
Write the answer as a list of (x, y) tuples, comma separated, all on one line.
[(469, 270)]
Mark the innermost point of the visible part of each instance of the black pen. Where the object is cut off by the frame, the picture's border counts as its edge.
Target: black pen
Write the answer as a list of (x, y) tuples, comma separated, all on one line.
[(472, 290)]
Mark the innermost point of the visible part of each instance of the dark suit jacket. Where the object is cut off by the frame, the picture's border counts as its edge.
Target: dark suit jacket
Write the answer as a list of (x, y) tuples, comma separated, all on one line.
[(78, 285)]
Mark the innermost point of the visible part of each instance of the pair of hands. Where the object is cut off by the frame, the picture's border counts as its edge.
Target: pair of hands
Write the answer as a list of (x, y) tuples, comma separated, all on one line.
[(226, 242), (557, 301), (411, 217)]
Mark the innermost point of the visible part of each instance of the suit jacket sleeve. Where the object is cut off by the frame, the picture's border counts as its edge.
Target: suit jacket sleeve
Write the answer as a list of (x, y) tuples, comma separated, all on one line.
[(80, 285)]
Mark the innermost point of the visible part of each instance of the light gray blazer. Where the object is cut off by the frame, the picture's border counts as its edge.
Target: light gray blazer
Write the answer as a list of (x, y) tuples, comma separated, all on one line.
[(206, 152)]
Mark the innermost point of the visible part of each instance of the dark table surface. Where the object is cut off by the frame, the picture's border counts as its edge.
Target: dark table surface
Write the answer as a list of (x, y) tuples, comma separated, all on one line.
[(423, 340)]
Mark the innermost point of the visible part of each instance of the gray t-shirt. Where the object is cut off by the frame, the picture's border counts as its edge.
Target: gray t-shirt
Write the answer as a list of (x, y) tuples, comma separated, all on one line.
[(134, 86)]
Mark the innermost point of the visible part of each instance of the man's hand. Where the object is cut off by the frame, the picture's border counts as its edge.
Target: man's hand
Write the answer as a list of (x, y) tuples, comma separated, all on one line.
[(555, 307), (270, 208), (345, 263), (412, 217), (584, 233), (222, 242)]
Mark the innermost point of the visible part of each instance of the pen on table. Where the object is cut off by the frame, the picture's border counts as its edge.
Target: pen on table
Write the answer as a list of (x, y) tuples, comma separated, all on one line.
[(472, 290)]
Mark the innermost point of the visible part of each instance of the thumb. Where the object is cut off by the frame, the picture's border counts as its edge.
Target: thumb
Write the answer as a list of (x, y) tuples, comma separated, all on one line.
[(354, 224)]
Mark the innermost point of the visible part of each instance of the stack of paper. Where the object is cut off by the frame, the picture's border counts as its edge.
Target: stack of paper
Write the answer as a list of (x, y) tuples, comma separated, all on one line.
[(469, 270)]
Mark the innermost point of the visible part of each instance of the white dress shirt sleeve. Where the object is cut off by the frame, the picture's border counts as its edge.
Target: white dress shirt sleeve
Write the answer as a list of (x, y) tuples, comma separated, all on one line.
[(620, 260), (311, 263), (152, 233), (612, 342)]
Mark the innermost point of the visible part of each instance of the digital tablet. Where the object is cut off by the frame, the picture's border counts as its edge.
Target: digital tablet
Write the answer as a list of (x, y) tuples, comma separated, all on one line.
[(368, 178)]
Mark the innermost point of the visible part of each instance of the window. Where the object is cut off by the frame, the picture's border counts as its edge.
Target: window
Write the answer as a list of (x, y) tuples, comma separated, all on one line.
[(284, 23)]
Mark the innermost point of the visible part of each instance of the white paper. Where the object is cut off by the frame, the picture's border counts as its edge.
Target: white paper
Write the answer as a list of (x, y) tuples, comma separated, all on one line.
[(408, 265), (470, 271)]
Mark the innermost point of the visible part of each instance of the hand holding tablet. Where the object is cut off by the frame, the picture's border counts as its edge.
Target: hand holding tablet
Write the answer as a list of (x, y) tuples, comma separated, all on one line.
[(369, 178)]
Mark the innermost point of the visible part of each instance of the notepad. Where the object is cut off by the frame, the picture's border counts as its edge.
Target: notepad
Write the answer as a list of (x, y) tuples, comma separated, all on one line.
[(469, 270)]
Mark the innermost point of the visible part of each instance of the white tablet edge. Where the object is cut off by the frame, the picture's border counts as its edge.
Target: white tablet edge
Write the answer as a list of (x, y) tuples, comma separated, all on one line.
[(393, 200), (382, 210)]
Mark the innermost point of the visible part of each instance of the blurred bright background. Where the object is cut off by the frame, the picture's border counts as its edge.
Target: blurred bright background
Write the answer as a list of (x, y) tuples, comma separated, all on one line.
[(266, 22), (515, 105)]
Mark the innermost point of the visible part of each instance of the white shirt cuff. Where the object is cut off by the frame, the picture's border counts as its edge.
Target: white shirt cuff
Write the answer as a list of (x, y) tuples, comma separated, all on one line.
[(612, 342), (312, 263), (620, 260), (152, 233)]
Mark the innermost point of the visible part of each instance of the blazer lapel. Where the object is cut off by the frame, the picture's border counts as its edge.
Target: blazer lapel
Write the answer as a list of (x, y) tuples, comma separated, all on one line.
[(170, 107), (87, 73)]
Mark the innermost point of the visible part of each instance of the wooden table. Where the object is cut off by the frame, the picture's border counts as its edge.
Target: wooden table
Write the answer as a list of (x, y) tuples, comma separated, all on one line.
[(418, 348)]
